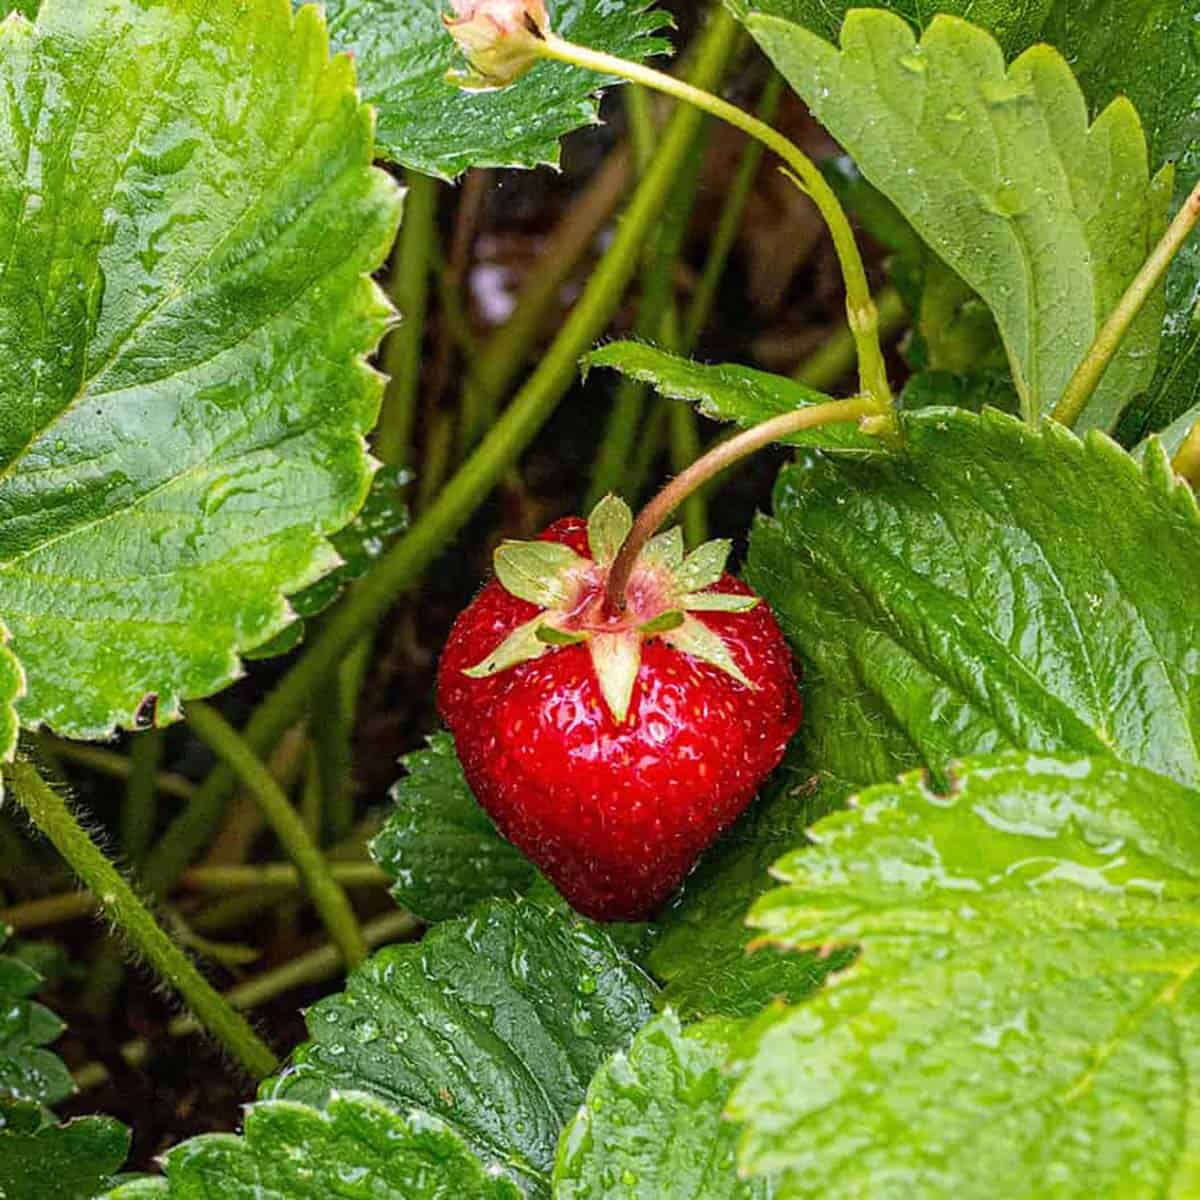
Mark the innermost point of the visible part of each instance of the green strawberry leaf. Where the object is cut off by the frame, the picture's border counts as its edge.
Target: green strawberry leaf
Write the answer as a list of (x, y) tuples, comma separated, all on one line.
[(43, 1161), (1015, 24), (380, 521), (1023, 1017), (439, 846), (994, 587), (12, 685), (28, 1071), (652, 1123), (1148, 51), (403, 54), (729, 393), (999, 172), (702, 952), (183, 322), (293, 1152), (494, 1023)]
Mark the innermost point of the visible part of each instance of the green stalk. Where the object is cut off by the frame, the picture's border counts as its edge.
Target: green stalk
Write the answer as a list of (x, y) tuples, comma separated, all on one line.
[(732, 214), (282, 877), (51, 814), (138, 814), (327, 894), (410, 291), (860, 307), (1091, 370), (116, 766), (365, 603)]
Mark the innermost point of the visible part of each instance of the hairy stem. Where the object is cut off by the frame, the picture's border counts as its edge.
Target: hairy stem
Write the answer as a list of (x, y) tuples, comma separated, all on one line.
[(860, 307), (327, 894), (403, 564), (1095, 362), (51, 814), (720, 457)]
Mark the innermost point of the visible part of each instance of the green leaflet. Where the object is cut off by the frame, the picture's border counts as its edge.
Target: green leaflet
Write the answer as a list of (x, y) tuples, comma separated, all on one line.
[(994, 587), (12, 684), (293, 1152), (652, 1124), (494, 1023), (403, 54), (702, 952), (43, 1161), (1015, 24), (28, 1071), (1022, 1020), (439, 846), (729, 393), (998, 171), (183, 325)]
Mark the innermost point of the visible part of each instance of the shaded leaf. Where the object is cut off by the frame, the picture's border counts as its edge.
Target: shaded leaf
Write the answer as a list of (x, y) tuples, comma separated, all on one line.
[(403, 53), (974, 391), (183, 325), (439, 846), (43, 1161), (28, 1071), (1046, 219), (293, 1152), (729, 393), (1023, 1015), (994, 587), (494, 1023), (652, 1124)]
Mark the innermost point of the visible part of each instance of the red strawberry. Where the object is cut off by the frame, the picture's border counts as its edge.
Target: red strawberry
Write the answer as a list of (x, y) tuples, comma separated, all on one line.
[(613, 750)]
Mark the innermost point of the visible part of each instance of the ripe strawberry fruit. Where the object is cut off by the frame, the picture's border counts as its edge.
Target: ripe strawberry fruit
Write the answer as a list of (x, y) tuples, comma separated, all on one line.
[(612, 749)]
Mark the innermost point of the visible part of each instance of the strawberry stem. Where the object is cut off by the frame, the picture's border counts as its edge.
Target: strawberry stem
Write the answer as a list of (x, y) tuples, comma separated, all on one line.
[(861, 313), (718, 459)]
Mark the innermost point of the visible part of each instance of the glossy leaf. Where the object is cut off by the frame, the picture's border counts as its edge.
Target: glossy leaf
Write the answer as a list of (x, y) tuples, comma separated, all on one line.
[(404, 53), (995, 587), (652, 1124), (439, 846), (729, 393), (494, 1023), (43, 1161), (1000, 174), (355, 1147), (702, 952), (1016, 24), (1023, 1016), (28, 1071), (183, 325)]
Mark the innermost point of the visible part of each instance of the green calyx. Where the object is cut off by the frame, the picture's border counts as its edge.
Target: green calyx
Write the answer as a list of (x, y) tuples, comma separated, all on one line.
[(667, 586)]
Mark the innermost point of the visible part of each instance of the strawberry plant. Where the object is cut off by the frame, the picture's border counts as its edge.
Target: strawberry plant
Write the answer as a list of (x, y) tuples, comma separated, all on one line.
[(864, 867)]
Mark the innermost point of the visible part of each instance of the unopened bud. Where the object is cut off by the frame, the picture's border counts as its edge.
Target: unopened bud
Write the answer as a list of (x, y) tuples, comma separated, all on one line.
[(500, 39)]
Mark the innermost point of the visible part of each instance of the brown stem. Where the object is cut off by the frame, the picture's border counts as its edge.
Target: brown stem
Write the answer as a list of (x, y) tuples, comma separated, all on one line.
[(718, 459)]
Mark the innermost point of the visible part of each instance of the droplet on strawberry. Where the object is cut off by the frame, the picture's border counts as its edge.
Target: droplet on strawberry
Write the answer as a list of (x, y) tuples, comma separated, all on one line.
[(613, 747)]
